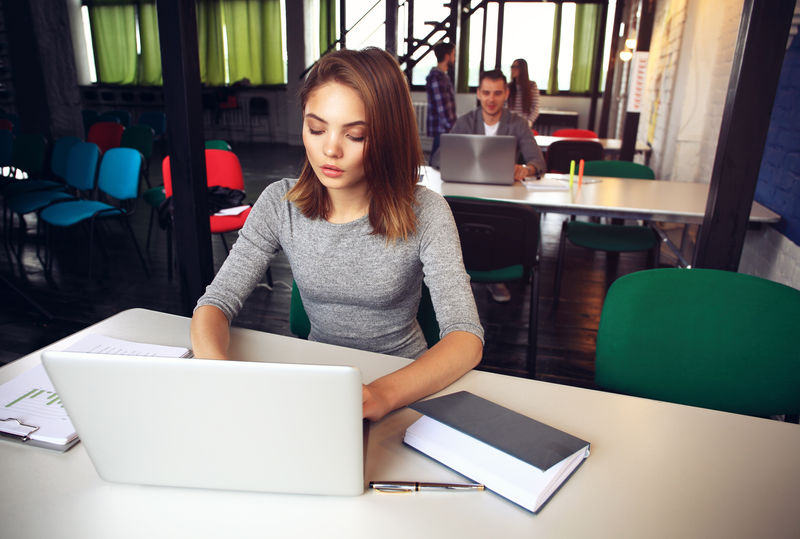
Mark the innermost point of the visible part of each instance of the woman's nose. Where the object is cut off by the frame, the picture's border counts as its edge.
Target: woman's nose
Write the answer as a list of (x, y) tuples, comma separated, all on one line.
[(332, 147)]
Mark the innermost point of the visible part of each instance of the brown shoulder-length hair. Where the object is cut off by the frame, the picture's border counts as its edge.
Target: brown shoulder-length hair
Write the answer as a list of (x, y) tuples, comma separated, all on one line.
[(523, 83), (392, 151)]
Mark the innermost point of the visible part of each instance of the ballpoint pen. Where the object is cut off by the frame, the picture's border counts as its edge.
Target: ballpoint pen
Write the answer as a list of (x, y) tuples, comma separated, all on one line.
[(411, 486)]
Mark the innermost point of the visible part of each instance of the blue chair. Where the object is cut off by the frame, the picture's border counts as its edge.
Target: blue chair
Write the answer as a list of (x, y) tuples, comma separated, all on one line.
[(118, 177), (78, 170), (121, 116)]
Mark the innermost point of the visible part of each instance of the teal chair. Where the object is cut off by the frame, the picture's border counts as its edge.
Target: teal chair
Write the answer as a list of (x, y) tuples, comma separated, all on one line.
[(218, 144), (118, 177), (73, 161), (702, 337), (300, 326), (611, 238), (500, 243)]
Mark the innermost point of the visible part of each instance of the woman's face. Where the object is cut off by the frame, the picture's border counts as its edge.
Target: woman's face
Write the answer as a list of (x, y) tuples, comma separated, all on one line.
[(334, 134)]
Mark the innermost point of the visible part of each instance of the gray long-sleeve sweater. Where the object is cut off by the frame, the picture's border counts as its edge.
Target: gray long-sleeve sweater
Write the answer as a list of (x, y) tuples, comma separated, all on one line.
[(358, 290)]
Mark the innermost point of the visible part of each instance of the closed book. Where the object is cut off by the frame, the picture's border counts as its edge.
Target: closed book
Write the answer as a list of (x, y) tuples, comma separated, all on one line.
[(513, 455)]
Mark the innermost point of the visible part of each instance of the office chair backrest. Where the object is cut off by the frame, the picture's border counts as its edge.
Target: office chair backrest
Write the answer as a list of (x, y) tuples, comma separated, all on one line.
[(60, 154), (6, 147), (222, 168), (618, 169), (106, 135), (28, 153), (119, 173), (121, 116), (139, 137), (496, 235), (6, 124), (561, 152), (218, 144), (81, 169), (702, 337), (575, 133), (155, 119)]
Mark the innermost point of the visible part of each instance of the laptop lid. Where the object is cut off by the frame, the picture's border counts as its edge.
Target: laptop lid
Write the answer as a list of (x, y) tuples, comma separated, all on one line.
[(232, 425), (478, 158)]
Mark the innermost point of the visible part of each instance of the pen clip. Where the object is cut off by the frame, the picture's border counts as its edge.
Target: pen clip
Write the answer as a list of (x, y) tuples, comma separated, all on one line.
[(392, 488)]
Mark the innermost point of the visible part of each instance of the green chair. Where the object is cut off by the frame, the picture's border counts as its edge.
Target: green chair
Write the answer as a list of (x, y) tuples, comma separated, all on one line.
[(140, 137), (702, 337), (218, 144), (500, 243), (300, 326), (613, 238)]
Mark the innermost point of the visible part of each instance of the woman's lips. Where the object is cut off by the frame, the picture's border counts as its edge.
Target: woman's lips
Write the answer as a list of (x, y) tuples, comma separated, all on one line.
[(331, 171)]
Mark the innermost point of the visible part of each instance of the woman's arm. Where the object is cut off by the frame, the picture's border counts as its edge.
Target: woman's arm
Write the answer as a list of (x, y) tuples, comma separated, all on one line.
[(210, 333), (452, 357)]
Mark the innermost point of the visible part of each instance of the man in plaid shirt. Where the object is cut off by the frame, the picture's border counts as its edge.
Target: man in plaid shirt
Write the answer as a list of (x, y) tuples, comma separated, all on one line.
[(441, 96)]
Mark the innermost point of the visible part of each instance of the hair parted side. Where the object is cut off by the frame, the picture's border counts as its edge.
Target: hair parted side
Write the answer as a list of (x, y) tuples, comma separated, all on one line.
[(392, 151)]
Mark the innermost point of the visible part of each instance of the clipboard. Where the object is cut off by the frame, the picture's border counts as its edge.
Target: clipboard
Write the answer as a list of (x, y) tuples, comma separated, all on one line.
[(31, 412)]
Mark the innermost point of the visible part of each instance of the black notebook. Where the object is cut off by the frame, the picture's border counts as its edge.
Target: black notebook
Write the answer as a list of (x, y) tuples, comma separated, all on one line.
[(515, 456)]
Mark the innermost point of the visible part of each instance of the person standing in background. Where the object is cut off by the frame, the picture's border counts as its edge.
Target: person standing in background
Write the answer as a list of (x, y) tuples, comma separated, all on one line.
[(441, 96), (523, 98)]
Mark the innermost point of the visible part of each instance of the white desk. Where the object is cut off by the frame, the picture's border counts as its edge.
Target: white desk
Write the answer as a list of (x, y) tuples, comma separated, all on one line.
[(656, 470), (654, 200)]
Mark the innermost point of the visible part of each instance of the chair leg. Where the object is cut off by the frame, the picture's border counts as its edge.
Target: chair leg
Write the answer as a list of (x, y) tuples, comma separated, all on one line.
[(612, 266), (559, 265), (150, 228), (169, 253), (533, 324), (124, 218)]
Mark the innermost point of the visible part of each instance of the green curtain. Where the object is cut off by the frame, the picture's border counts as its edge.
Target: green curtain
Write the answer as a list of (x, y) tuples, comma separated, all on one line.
[(587, 28), (552, 83), (209, 38), (327, 24), (255, 48), (150, 59), (114, 41)]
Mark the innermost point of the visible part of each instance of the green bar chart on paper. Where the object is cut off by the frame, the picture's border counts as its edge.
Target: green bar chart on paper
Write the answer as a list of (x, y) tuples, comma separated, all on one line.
[(41, 396)]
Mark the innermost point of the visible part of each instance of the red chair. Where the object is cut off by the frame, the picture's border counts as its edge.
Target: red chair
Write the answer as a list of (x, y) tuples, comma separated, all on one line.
[(535, 132), (6, 124), (575, 133), (106, 135), (223, 169)]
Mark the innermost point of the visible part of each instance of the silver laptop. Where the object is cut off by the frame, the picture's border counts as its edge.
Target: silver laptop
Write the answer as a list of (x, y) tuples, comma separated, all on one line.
[(478, 158), (233, 425)]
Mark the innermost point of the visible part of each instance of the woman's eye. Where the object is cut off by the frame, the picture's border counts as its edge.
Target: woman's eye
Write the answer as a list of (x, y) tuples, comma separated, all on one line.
[(355, 138), (314, 131)]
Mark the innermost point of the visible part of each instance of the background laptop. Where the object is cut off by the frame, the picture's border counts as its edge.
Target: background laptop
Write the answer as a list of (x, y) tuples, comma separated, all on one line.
[(234, 425), (478, 158)]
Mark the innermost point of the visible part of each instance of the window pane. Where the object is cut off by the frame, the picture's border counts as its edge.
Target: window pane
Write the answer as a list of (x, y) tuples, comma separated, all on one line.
[(528, 34), (426, 11), (475, 47), (369, 30), (565, 49)]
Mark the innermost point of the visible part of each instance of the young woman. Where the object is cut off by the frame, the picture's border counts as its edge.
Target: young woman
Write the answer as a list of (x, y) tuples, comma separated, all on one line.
[(360, 236), (523, 97)]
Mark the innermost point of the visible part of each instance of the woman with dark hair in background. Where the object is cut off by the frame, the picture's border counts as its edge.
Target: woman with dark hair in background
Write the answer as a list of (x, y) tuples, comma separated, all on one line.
[(523, 97), (360, 236)]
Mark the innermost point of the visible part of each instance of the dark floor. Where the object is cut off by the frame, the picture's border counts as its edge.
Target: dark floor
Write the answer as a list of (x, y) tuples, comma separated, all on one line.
[(566, 337)]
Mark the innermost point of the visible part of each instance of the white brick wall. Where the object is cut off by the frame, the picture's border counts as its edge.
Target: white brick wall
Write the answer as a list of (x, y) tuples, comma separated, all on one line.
[(769, 254)]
